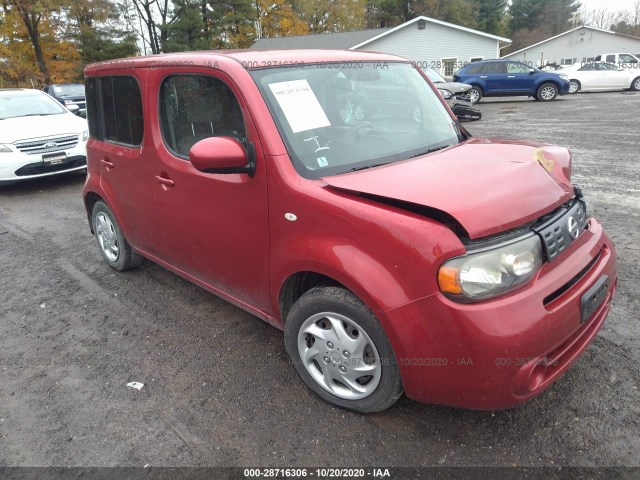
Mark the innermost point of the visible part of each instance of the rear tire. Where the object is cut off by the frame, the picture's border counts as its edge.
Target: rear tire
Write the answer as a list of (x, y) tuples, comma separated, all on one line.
[(341, 352), (635, 85), (115, 249), (547, 92)]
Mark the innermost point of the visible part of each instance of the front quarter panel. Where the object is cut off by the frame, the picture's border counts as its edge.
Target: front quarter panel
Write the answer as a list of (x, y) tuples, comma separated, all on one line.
[(385, 255)]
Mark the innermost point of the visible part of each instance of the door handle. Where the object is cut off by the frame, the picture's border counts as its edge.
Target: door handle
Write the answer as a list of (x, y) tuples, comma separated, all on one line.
[(165, 182), (511, 76), (107, 163), (483, 76)]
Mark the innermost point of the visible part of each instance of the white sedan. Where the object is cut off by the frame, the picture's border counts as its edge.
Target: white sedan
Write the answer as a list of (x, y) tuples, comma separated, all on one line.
[(595, 76), (38, 136)]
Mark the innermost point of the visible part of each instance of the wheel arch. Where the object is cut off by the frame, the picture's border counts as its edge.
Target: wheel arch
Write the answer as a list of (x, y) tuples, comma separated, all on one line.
[(90, 199), (348, 267), (555, 83), (297, 284)]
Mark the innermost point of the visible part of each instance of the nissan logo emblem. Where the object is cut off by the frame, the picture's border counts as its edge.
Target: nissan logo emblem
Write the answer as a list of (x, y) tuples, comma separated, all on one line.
[(573, 227)]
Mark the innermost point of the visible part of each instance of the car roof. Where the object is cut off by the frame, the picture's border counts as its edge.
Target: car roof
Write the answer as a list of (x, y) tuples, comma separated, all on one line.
[(252, 58), (501, 60)]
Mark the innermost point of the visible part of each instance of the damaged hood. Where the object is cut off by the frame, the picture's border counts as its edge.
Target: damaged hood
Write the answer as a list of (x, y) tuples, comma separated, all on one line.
[(487, 185)]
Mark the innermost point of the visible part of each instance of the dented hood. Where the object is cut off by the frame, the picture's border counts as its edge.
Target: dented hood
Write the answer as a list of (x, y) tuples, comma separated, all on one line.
[(487, 185)]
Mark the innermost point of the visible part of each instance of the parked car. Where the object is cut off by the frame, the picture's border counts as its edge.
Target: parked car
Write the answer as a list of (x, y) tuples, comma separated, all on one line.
[(397, 253), (622, 60), (71, 95), (601, 76), (448, 89), (38, 136), (498, 78), (456, 96)]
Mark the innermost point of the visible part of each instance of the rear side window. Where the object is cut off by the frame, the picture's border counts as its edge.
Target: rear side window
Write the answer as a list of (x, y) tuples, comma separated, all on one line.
[(92, 107), (476, 68), (114, 109), (194, 107), (611, 58)]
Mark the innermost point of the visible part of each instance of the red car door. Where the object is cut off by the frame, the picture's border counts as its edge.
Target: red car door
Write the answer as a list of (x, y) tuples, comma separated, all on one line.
[(214, 227), (116, 151)]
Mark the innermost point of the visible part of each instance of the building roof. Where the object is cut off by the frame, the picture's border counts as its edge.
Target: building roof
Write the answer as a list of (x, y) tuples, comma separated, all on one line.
[(341, 40), (505, 41), (566, 33), (359, 38)]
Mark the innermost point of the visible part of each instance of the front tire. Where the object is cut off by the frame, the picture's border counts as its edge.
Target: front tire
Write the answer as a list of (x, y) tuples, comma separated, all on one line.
[(574, 86), (635, 85), (341, 352), (115, 249), (547, 92), (474, 95)]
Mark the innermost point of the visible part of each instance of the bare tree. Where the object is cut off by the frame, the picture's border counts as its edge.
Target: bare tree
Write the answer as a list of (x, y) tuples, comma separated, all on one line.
[(600, 17)]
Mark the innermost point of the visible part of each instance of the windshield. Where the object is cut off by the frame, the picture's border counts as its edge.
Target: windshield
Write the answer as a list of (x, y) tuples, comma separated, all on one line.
[(341, 117), (68, 90), (433, 75), (28, 105)]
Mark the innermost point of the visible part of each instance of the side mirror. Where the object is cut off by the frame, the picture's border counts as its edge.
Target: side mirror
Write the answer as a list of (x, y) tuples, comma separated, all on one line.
[(532, 71), (73, 108), (222, 155)]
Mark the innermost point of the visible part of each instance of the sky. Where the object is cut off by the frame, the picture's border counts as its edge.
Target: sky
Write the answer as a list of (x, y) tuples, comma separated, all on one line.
[(611, 5)]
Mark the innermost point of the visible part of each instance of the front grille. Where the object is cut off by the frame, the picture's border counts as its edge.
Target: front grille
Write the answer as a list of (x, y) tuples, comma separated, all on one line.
[(563, 229), (40, 168), (33, 147)]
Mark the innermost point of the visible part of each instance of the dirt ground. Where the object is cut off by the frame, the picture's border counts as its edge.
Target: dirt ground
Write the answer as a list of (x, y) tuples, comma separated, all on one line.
[(218, 389)]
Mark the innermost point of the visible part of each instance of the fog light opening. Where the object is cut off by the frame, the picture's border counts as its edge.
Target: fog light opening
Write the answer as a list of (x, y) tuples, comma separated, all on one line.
[(537, 376)]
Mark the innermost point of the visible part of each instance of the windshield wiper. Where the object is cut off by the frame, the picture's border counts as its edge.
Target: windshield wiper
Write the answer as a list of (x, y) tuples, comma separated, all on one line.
[(37, 114), (431, 150), (369, 166)]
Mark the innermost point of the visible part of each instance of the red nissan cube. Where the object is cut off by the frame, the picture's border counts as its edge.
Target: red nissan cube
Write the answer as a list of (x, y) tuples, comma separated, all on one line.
[(334, 195)]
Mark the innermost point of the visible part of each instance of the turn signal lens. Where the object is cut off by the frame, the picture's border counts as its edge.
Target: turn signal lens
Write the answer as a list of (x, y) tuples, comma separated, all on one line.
[(448, 280)]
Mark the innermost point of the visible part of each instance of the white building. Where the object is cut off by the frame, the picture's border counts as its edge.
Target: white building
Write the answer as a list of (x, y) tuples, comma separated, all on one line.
[(443, 46), (581, 44)]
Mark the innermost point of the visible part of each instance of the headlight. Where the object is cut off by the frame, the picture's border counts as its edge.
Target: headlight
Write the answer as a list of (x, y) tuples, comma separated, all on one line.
[(68, 102), (446, 94), (564, 76), (492, 272), (4, 149), (85, 135)]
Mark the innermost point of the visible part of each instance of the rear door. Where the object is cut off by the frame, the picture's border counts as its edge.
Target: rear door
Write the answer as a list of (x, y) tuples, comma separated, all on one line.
[(610, 76), (494, 77), (118, 137)]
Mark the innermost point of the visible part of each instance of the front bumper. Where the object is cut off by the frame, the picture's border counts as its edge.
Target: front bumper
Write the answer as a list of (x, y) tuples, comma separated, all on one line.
[(502, 352), (16, 165)]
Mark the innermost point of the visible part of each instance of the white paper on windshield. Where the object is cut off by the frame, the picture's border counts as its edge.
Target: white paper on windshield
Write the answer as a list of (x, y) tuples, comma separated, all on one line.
[(300, 105)]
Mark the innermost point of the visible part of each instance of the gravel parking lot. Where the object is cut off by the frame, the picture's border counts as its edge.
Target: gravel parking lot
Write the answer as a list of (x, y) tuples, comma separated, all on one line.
[(218, 389)]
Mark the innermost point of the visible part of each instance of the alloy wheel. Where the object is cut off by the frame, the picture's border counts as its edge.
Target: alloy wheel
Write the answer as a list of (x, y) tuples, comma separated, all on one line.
[(107, 236)]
